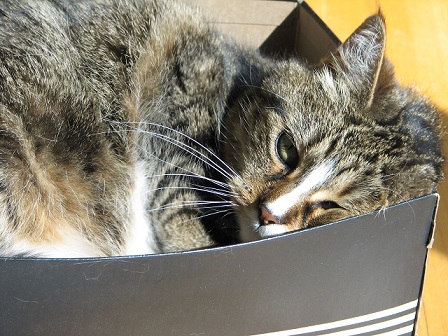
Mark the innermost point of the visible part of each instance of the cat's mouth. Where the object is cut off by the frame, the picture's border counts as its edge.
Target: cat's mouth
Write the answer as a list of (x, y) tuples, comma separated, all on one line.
[(268, 224), (254, 225)]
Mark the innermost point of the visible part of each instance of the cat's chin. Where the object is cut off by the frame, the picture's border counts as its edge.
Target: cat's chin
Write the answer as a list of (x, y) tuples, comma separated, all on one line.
[(251, 230), (272, 230)]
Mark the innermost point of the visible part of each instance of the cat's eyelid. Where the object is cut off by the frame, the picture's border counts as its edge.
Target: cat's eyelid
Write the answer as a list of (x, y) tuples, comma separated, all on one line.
[(288, 133), (327, 205)]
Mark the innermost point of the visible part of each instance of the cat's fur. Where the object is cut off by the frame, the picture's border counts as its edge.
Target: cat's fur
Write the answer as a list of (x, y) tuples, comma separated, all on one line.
[(132, 126)]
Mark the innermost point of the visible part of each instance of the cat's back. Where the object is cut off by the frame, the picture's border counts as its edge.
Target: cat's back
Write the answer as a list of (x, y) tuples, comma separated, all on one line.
[(74, 48), (73, 38), (67, 169)]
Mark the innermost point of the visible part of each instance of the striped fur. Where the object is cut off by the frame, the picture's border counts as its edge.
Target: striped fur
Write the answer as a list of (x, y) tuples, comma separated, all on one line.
[(134, 127)]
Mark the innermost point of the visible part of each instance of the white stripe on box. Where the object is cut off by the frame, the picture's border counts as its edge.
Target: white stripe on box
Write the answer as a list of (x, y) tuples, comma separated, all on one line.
[(348, 322), (374, 327), (398, 332)]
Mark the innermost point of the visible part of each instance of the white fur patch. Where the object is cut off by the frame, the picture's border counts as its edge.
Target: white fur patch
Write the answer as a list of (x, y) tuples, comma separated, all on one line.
[(141, 238), (72, 243), (72, 246), (313, 180), (272, 230)]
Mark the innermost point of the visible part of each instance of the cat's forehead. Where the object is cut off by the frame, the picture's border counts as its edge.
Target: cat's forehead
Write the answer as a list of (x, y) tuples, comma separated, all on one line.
[(302, 99), (308, 88)]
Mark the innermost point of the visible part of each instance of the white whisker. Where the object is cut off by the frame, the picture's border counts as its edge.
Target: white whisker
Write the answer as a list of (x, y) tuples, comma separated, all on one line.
[(198, 205), (206, 215), (195, 153), (234, 173), (229, 173), (224, 194), (222, 184), (216, 189), (171, 164)]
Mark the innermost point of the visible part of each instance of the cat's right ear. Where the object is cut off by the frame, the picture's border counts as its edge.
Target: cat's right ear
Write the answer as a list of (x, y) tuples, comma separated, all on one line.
[(357, 62)]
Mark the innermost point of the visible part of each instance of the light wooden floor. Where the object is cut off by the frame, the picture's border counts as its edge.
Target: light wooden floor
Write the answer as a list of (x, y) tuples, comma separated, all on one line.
[(418, 46)]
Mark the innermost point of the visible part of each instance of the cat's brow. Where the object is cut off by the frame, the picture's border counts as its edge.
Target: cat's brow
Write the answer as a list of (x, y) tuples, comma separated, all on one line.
[(273, 100), (279, 109)]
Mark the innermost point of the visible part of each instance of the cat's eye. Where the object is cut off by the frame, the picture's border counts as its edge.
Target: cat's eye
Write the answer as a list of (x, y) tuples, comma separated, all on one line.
[(327, 205), (287, 151)]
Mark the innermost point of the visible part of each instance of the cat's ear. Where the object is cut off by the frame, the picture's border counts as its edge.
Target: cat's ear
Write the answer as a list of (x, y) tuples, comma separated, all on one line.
[(358, 61)]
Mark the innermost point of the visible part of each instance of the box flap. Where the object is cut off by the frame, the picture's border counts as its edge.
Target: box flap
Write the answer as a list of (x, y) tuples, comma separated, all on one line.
[(274, 27), (429, 246), (315, 39), (248, 22), (434, 221)]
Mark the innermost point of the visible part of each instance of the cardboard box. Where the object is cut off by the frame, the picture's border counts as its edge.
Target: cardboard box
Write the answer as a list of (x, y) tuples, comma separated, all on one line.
[(359, 276)]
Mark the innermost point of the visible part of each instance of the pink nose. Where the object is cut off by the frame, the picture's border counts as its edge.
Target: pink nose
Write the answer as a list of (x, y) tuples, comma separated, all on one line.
[(266, 217)]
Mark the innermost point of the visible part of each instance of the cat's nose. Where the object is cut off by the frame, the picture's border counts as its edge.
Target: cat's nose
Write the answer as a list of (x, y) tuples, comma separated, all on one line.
[(266, 217)]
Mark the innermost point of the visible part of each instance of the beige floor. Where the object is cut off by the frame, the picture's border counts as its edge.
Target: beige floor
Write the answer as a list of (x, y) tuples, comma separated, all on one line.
[(418, 46)]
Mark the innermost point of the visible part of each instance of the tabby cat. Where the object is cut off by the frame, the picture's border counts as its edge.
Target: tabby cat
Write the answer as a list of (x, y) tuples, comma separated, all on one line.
[(133, 127)]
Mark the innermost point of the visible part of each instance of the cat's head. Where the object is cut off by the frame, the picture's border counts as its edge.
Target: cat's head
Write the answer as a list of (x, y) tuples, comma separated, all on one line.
[(314, 144)]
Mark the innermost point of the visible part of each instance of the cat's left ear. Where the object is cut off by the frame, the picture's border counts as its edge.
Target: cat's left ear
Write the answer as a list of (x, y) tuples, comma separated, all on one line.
[(358, 61)]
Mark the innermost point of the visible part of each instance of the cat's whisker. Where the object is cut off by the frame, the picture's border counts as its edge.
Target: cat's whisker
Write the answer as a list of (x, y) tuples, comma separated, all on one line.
[(389, 191), (198, 205), (224, 194), (171, 164), (188, 205), (225, 165), (399, 196), (190, 174), (195, 153), (218, 192), (216, 189), (384, 208), (222, 184), (187, 148), (202, 202), (205, 215), (233, 173)]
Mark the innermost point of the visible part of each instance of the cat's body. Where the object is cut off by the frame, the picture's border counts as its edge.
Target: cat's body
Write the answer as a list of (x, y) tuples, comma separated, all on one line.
[(131, 127)]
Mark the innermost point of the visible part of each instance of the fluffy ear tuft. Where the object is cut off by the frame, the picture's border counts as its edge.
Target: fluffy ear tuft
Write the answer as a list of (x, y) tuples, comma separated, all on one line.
[(357, 62)]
